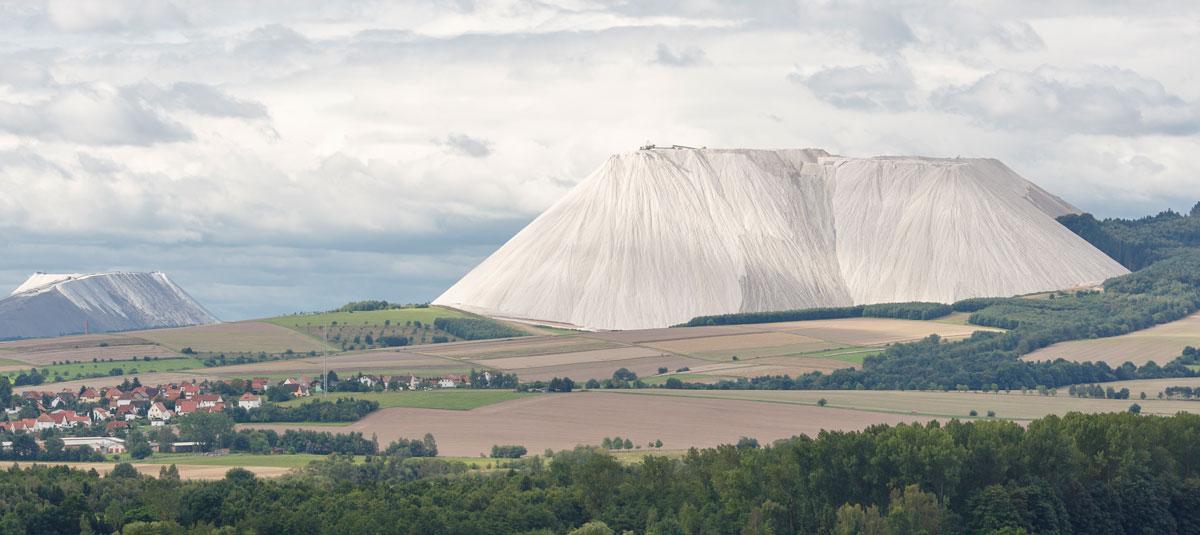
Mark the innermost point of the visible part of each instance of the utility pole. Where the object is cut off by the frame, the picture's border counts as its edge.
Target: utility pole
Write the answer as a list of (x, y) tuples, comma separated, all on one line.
[(325, 374)]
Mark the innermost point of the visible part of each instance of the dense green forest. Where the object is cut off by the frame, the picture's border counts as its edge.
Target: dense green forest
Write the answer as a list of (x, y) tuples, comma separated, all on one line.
[(1137, 243), (476, 328), (1108, 473), (907, 311)]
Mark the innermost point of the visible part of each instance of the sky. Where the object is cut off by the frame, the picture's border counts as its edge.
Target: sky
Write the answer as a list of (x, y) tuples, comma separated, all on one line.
[(284, 156)]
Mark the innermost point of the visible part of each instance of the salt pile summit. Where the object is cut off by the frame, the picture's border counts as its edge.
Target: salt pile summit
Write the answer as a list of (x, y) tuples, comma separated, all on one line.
[(659, 236), (49, 304)]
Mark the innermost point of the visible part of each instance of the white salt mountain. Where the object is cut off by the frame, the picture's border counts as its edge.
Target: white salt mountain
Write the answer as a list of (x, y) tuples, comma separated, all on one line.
[(656, 237), (56, 304)]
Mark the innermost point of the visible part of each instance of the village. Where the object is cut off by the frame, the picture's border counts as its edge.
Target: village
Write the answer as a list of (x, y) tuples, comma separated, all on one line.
[(101, 418)]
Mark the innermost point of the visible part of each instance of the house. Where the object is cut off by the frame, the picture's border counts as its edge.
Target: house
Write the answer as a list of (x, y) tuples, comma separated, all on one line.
[(297, 390), (367, 380), (107, 445), (206, 401), (451, 381), (186, 406), (128, 412), (259, 384), (63, 418), (100, 414), (122, 399), (189, 390), (112, 427), (89, 395), (414, 382), (249, 401), (158, 411), (24, 424), (44, 421)]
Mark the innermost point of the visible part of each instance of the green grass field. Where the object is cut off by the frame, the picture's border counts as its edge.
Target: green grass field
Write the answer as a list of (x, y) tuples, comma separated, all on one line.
[(449, 399), (371, 317), (95, 369), (852, 355)]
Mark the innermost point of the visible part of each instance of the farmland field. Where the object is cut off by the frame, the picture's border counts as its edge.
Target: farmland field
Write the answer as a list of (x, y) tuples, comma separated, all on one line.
[(127, 367), (447, 399), (515, 347), (562, 421), (199, 374), (873, 331), (238, 337), (85, 347), (186, 471), (378, 361), (1160, 344), (1014, 406)]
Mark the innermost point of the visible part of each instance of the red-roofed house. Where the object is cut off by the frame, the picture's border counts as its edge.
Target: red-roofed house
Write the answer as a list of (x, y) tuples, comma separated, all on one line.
[(186, 406)]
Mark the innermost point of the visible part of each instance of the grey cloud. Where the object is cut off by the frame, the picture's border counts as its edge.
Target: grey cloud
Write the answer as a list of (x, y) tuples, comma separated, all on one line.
[(91, 115), (200, 98), (1093, 100), (687, 57), (113, 15), (468, 146), (861, 87)]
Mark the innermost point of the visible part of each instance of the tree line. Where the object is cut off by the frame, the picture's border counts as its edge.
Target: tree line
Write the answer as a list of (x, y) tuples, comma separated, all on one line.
[(476, 328), (1109, 473), (340, 410), (908, 311)]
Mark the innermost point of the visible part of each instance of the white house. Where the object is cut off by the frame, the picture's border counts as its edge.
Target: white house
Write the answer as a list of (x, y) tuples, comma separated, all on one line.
[(158, 411), (250, 401)]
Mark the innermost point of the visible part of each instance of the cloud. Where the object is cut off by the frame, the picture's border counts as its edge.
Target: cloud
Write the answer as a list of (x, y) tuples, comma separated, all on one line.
[(468, 146), (687, 57), (92, 114), (199, 98), (1093, 100), (861, 87), (113, 15)]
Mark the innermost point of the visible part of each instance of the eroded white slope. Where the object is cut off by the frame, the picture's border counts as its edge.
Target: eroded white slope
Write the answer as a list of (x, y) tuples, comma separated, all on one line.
[(40, 280), (656, 237), (919, 229), (51, 305)]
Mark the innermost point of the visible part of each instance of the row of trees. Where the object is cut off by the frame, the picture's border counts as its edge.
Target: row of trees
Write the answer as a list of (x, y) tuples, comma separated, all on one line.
[(1110, 473), (910, 311), (340, 410), (476, 328)]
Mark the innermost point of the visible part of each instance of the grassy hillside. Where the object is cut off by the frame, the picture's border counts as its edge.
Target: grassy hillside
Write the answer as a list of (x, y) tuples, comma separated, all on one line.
[(349, 330)]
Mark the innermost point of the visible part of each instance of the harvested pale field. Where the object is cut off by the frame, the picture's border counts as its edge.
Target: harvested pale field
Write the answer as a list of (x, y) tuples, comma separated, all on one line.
[(369, 361), (1014, 406), (873, 331), (568, 359), (562, 421), (186, 471), (239, 337), (514, 347), (1151, 386), (793, 366), (674, 333), (86, 354), (152, 378), (70, 342), (1161, 344), (815, 348), (643, 367), (709, 344)]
